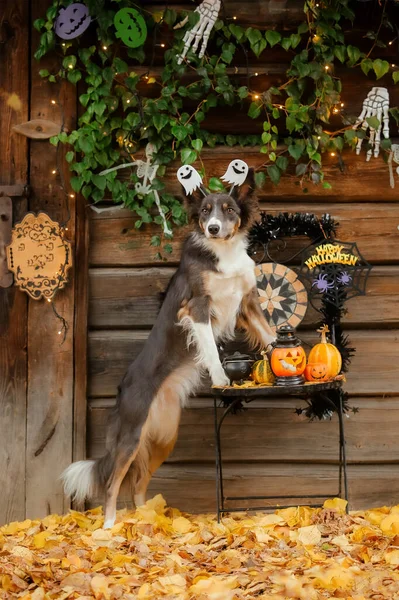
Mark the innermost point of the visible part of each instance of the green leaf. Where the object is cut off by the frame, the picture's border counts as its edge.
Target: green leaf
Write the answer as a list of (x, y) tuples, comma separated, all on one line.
[(300, 169), (38, 24), (395, 76), (295, 39), (84, 99), (266, 126), (69, 62), (272, 156), (326, 185), (242, 91), (160, 120), (76, 183), (74, 76), (44, 73), (274, 173), (180, 132), (354, 54), (260, 179), (273, 37), (258, 47), (373, 122), (197, 144), (188, 156), (215, 185), (366, 65), (69, 156), (254, 110), (237, 31), (386, 144), (286, 43), (266, 137), (282, 162), (170, 16), (295, 151), (381, 67), (86, 144), (340, 53), (253, 35), (99, 181)]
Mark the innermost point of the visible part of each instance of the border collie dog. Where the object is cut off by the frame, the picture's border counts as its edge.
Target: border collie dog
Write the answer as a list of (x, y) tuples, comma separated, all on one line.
[(212, 293)]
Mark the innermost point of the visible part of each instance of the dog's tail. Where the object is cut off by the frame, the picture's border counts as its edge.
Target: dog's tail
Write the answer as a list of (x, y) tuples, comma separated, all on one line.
[(86, 478)]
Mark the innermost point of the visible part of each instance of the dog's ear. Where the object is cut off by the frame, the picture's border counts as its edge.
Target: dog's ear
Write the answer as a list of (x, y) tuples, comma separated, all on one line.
[(244, 195), (193, 202)]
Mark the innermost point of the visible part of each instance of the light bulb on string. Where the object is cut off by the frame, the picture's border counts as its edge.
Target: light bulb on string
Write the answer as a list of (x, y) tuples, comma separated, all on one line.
[(53, 102), (105, 47), (54, 171), (256, 96), (235, 18), (332, 153)]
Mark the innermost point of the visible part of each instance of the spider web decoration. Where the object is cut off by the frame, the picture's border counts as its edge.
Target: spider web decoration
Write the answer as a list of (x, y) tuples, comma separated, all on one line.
[(336, 272)]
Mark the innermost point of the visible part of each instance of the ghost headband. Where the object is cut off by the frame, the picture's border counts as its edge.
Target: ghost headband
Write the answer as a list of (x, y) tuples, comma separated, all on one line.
[(190, 179)]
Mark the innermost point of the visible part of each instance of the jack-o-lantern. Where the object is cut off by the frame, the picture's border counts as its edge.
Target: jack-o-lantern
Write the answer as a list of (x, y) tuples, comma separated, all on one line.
[(72, 21), (130, 27), (316, 372), (326, 353), (288, 359)]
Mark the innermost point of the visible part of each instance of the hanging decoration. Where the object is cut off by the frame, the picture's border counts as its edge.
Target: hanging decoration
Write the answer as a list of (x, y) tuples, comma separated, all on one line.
[(236, 173), (130, 27), (375, 106), (72, 21), (190, 179), (208, 11), (335, 270), (39, 256), (282, 295), (146, 170)]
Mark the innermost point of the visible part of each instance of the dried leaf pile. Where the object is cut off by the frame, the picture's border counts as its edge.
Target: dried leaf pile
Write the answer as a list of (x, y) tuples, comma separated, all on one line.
[(157, 552)]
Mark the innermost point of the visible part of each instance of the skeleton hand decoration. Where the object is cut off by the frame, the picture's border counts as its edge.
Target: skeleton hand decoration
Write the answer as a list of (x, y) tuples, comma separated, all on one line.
[(375, 105), (208, 11)]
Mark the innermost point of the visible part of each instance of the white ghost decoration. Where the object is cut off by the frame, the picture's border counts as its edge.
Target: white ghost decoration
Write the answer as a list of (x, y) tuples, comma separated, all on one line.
[(189, 178), (236, 173)]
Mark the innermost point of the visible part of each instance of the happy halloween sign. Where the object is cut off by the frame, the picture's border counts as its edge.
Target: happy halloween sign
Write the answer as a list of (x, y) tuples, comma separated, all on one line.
[(327, 254)]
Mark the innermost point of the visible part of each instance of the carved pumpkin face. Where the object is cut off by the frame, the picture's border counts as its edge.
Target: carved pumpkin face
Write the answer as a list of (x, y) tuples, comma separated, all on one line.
[(316, 372), (72, 21), (286, 362), (130, 27)]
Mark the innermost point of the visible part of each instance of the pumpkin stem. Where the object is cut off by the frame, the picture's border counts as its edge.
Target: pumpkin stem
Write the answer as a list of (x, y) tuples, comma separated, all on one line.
[(264, 354), (324, 330)]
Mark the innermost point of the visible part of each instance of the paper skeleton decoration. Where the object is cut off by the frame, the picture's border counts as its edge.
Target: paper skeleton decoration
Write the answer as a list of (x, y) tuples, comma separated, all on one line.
[(191, 180), (208, 11), (146, 170), (375, 105)]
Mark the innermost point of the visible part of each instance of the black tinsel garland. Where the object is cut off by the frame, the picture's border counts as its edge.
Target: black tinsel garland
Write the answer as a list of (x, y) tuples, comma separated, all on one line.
[(286, 225)]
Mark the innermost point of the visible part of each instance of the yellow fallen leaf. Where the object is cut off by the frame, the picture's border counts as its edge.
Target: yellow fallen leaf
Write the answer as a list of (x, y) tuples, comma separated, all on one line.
[(181, 525), (39, 540), (310, 535), (144, 591), (337, 504), (23, 552), (99, 585), (271, 520), (158, 504), (390, 524), (392, 557), (38, 594), (173, 580), (216, 588), (342, 542)]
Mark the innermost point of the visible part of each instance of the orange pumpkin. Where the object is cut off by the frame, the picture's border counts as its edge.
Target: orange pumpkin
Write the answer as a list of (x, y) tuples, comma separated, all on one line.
[(288, 361), (326, 354), (316, 372)]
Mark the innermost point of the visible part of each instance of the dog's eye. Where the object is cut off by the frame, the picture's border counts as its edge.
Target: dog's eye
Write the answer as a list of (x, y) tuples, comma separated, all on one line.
[(205, 211), (230, 210)]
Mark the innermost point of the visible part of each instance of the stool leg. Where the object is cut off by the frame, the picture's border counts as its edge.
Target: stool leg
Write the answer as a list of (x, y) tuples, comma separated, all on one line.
[(218, 461), (342, 444)]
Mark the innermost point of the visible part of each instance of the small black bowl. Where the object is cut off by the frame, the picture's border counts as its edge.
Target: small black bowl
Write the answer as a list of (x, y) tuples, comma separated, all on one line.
[(237, 366)]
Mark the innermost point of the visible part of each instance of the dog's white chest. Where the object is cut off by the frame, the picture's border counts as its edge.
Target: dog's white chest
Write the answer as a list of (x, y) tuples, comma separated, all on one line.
[(234, 279)]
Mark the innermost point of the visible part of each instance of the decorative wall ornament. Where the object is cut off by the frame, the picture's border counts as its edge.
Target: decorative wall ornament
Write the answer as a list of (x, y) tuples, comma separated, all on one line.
[(376, 105), (72, 21), (38, 129), (39, 256), (208, 11), (282, 295), (336, 271), (393, 156), (130, 27)]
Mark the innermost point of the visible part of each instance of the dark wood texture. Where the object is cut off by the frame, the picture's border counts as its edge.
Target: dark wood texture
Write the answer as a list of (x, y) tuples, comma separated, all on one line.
[(373, 370), (129, 298), (374, 226), (51, 385), (13, 303), (6, 277)]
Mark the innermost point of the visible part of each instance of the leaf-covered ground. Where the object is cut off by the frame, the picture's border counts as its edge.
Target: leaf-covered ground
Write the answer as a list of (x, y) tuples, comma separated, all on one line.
[(156, 552)]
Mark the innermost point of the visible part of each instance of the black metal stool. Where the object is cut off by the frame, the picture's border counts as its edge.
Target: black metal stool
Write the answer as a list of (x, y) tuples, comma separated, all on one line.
[(247, 395)]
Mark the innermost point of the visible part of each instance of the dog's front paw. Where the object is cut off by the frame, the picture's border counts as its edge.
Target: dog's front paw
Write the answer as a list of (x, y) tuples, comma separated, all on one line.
[(220, 379)]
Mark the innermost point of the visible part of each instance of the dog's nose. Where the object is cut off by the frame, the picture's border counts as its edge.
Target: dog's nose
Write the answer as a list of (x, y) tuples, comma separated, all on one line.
[(213, 229)]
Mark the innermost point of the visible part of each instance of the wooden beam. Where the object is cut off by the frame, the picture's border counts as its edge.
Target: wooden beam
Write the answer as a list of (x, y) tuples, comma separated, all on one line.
[(13, 303), (51, 386)]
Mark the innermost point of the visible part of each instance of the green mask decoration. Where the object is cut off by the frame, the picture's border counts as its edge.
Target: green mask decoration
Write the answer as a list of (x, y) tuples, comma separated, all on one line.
[(130, 27)]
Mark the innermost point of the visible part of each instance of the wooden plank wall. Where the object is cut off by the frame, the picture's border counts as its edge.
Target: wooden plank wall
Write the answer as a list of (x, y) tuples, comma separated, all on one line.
[(269, 450)]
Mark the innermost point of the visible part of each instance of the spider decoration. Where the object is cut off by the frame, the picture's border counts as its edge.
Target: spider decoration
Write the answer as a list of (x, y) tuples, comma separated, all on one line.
[(336, 272), (344, 278), (322, 284)]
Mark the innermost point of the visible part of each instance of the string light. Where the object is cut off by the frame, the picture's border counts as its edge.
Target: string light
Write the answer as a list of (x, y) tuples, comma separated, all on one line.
[(326, 67), (105, 47), (332, 153), (53, 102), (72, 195), (393, 66), (66, 228), (256, 74), (336, 110), (342, 104), (162, 45), (235, 18), (59, 332), (70, 66), (54, 171), (63, 44), (319, 137), (127, 101), (48, 299), (256, 96)]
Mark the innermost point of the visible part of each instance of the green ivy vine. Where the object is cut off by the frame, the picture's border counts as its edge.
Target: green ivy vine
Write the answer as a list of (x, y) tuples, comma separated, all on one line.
[(119, 118)]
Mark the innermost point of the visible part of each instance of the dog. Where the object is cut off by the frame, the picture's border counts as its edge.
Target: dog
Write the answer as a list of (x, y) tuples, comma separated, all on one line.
[(212, 293)]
